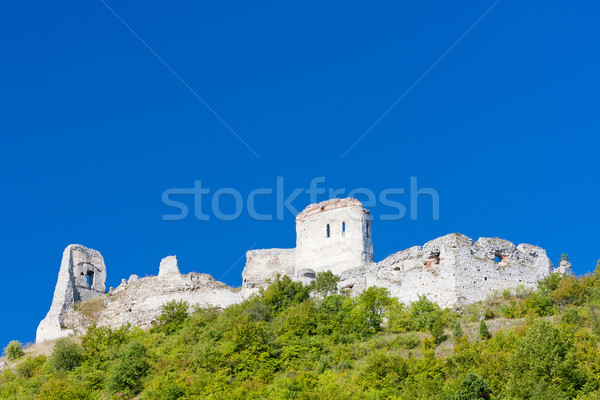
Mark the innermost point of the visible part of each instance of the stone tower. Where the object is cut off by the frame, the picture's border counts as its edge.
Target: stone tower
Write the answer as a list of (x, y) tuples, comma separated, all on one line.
[(333, 235), (82, 277)]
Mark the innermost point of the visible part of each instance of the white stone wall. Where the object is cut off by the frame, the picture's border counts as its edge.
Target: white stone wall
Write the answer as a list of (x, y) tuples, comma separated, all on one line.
[(263, 265), (453, 270), (168, 266), (323, 244), (494, 265)]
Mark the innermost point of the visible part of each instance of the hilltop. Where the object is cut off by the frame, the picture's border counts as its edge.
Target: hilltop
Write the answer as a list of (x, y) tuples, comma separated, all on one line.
[(292, 340)]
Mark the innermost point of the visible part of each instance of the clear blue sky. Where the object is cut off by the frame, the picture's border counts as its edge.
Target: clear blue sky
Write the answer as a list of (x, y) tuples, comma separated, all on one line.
[(94, 127)]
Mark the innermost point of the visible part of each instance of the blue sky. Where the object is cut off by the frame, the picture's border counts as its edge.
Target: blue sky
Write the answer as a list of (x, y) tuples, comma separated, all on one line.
[(95, 128)]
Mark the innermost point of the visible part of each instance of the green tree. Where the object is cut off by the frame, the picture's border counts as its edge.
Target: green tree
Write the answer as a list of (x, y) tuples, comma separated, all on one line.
[(473, 387), (173, 316), (437, 330), (399, 318), (325, 284), (457, 332), (132, 366), (371, 306), (550, 283), (544, 362), (14, 350), (283, 293), (67, 355), (484, 333), (422, 313)]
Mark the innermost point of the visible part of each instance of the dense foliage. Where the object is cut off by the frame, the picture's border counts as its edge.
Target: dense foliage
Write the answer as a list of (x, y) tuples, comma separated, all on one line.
[(311, 342)]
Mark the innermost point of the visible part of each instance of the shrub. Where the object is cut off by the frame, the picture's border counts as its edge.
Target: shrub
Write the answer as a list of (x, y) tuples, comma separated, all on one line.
[(56, 388), (398, 318), (132, 366), (569, 290), (283, 293), (488, 314), (67, 355), (168, 389), (550, 283), (14, 350), (383, 370), (510, 310), (173, 316), (571, 317), (97, 342), (538, 303), (408, 340), (457, 332), (28, 367)]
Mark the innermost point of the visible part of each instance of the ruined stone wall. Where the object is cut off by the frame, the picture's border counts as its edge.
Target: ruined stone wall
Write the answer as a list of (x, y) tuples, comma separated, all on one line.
[(334, 235), (453, 270), (78, 265), (264, 265), (494, 265), (139, 301)]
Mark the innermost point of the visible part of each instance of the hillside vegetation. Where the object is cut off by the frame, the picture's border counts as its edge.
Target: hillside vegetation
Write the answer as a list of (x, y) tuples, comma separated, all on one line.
[(310, 342)]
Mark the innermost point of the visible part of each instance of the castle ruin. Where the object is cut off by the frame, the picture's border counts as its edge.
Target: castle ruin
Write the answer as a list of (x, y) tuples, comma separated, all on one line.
[(335, 236), (82, 277)]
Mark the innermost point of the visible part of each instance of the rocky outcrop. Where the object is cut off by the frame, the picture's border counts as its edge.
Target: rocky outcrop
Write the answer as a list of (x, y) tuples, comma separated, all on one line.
[(564, 267)]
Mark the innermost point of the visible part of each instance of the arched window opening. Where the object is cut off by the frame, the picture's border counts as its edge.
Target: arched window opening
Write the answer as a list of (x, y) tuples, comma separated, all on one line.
[(343, 228), (367, 233), (328, 231), (89, 278)]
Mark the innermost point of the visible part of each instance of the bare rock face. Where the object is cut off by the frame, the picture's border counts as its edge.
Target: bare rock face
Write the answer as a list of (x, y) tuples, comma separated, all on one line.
[(82, 277), (564, 267)]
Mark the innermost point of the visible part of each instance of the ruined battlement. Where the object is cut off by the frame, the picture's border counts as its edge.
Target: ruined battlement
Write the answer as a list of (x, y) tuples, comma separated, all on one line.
[(317, 208)]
